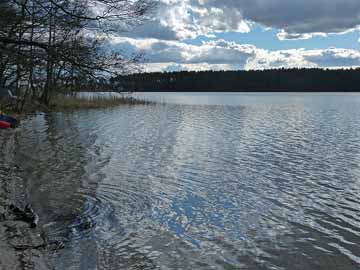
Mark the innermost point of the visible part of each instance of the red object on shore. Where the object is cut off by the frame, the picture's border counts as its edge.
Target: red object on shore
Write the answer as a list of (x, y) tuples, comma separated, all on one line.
[(4, 125)]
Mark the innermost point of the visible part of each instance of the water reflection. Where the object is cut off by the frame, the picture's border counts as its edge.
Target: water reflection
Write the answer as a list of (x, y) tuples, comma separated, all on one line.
[(266, 185)]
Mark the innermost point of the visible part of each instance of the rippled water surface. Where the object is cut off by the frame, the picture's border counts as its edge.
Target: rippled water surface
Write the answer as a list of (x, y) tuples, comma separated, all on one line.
[(231, 181)]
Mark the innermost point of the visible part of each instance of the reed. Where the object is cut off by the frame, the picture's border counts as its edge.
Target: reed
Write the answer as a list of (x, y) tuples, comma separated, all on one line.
[(68, 102)]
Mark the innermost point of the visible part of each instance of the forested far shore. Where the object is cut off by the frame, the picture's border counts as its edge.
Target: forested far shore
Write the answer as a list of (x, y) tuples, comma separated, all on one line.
[(275, 80)]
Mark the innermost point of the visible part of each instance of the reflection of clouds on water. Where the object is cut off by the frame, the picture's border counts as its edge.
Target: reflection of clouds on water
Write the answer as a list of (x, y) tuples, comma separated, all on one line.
[(272, 184)]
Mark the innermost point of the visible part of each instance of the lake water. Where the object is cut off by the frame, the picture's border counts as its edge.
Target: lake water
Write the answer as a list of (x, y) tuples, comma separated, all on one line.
[(201, 181)]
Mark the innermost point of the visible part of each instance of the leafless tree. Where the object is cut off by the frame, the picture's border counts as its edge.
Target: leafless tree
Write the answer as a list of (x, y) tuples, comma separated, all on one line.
[(55, 45)]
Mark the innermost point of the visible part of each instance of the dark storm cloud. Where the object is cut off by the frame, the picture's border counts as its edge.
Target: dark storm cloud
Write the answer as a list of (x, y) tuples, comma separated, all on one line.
[(297, 16)]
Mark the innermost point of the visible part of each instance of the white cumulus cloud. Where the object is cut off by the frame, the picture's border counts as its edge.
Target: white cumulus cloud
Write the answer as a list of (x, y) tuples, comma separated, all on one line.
[(163, 55)]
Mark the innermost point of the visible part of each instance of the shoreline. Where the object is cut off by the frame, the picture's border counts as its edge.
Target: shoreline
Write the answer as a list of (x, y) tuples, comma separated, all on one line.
[(22, 247), (63, 103)]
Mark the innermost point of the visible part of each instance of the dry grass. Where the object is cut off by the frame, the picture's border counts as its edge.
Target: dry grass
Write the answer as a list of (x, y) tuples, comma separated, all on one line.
[(63, 102)]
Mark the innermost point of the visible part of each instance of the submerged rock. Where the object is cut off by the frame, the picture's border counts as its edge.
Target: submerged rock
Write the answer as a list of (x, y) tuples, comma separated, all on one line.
[(22, 245), (27, 215), (21, 238)]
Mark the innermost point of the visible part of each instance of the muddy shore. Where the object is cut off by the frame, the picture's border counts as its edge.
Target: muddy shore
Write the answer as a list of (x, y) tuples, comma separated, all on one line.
[(22, 247)]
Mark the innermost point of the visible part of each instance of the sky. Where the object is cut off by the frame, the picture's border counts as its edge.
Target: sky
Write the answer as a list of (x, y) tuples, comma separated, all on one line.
[(245, 35)]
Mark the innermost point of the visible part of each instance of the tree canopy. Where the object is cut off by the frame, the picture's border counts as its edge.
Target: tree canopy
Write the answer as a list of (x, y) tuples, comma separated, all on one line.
[(50, 45)]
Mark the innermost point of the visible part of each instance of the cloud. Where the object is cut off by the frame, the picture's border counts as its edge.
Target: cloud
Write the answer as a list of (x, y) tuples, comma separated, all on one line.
[(163, 38), (162, 55), (213, 52), (301, 58), (265, 59), (187, 19), (282, 35), (295, 19), (334, 57), (171, 67)]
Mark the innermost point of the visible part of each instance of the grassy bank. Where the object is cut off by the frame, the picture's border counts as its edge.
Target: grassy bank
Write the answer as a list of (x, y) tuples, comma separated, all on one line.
[(62, 102)]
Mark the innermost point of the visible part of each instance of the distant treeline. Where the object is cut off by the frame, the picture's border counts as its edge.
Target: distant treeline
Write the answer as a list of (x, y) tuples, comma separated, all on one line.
[(255, 80)]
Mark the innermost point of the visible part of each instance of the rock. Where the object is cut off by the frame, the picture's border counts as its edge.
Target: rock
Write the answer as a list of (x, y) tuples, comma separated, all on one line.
[(31, 215), (27, 215), (22, 245), (21, 238), (56, 245), (22, 248)]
